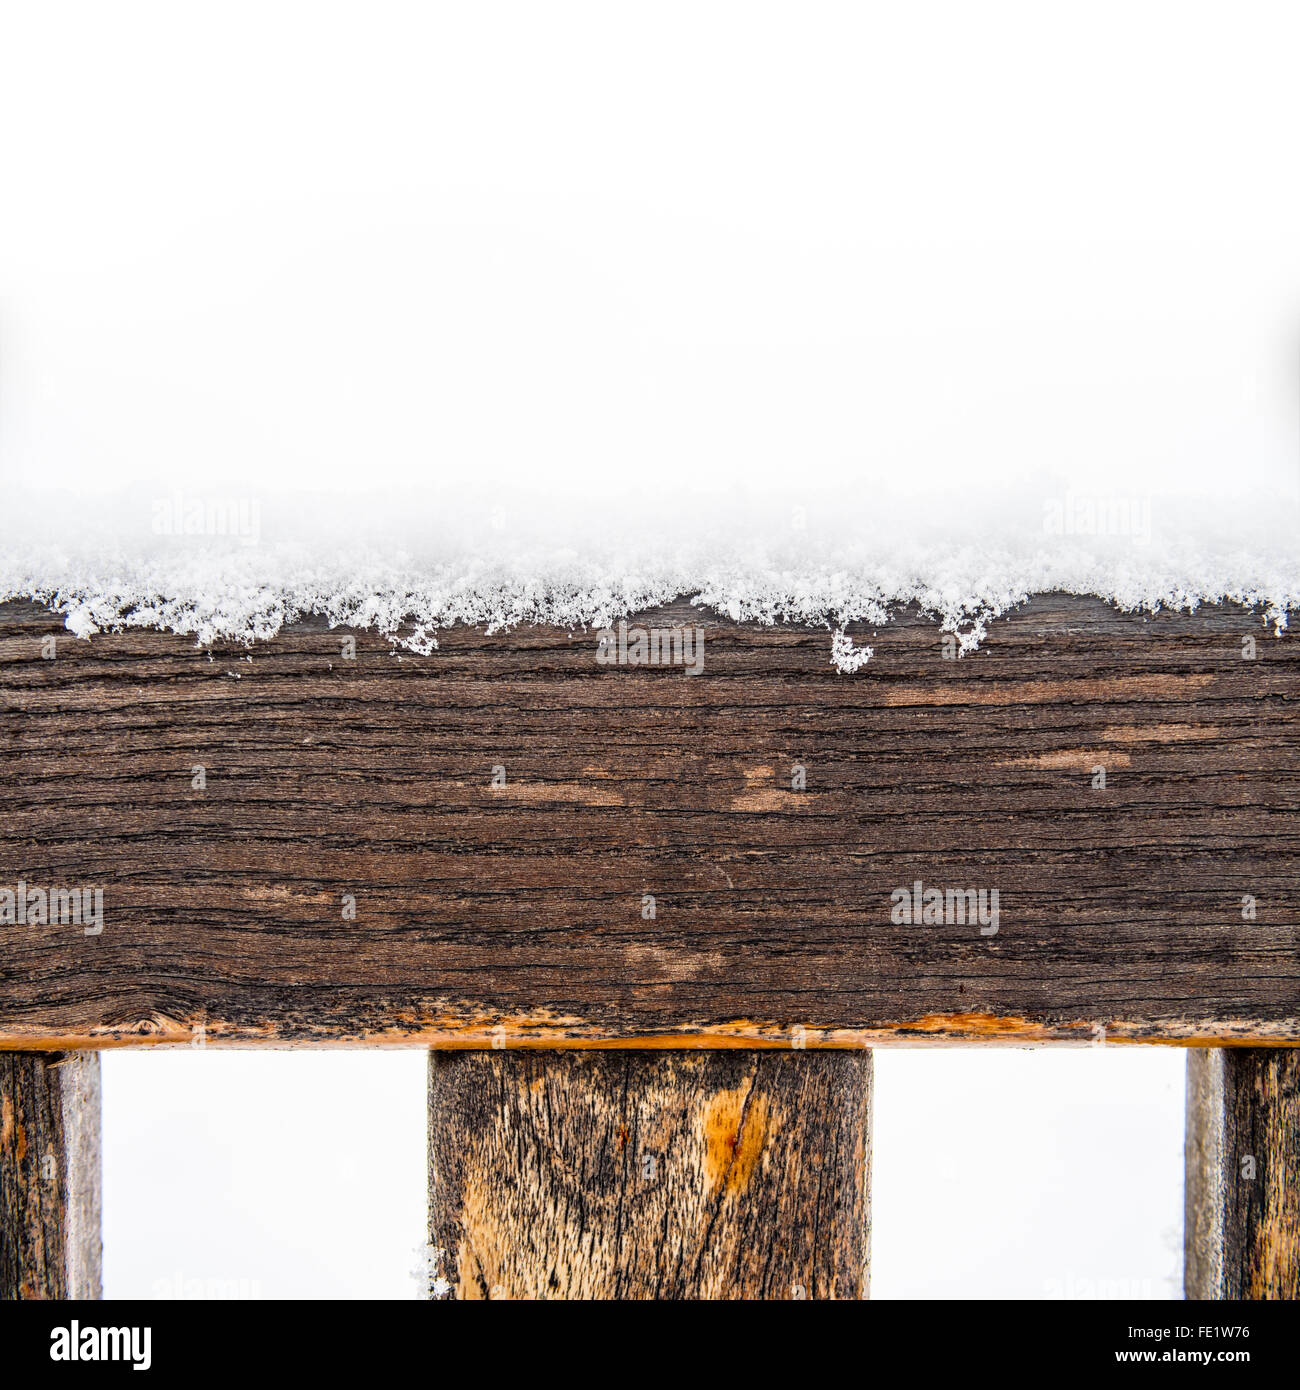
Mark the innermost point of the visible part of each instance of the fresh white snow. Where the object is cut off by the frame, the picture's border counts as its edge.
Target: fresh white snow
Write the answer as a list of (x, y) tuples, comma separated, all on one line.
[(506, 312), (103, 563)]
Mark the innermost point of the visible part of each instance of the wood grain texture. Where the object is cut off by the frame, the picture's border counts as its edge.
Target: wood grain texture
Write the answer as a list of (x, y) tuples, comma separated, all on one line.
[(1242, 1218), (514, 914), (49, 1175), (649, 1175)]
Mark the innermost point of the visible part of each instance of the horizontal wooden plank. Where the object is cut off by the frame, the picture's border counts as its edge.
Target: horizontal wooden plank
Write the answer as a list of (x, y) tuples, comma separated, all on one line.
[(519, 913)]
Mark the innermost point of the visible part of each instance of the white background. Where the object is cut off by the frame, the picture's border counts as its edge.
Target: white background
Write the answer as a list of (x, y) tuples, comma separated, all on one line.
[(695, 246), (997, 1174)]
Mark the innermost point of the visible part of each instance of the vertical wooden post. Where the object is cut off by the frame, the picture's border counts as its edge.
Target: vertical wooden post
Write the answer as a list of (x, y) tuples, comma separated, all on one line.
[(50, 1164), (650, 1175), (1242, 1203)]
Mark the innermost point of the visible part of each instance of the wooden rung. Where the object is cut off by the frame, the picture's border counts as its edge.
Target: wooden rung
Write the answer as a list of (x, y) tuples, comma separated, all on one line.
[(507, 840), (649, 1175), (1242, 1218), (50, 1242)]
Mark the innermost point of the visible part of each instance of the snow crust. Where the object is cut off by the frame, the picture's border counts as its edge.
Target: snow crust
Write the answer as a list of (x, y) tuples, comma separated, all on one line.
[(413, 567), (608, 305)]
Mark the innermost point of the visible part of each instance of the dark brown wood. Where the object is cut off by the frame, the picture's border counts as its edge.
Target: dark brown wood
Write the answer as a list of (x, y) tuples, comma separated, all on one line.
[(519, 913), (49, 1175), (649, 1175), (1242, 1220)]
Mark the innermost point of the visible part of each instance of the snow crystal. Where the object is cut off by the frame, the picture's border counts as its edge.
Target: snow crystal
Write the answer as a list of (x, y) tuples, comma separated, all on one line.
[(649, 308), (105, 564)]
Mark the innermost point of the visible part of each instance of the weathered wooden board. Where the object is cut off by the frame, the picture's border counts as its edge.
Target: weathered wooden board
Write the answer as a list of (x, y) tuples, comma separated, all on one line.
[(649, 1175), (1242, 1225), (50, 1200), (518, 913)]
